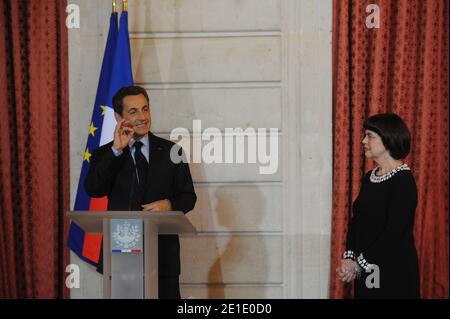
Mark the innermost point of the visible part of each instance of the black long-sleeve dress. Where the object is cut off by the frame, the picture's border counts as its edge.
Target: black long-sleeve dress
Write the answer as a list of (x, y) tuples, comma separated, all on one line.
[(381, 233)]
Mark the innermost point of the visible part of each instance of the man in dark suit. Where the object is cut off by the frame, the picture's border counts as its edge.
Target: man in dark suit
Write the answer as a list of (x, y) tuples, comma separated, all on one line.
[(136, 172)]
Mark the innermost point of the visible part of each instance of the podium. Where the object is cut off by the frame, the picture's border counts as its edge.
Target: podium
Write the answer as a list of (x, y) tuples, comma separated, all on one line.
[(130, 247)]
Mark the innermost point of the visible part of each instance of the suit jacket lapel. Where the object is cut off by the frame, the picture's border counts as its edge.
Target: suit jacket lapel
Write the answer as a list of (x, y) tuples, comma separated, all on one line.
[(131, 169), (154, 159), (129, 163)]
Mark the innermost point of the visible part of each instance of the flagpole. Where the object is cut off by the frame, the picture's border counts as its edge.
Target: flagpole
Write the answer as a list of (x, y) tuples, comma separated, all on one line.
[(125, 5), (114, 5)]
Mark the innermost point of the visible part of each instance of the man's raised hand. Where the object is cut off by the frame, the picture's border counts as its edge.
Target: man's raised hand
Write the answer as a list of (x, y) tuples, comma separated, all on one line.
[(122, 134)]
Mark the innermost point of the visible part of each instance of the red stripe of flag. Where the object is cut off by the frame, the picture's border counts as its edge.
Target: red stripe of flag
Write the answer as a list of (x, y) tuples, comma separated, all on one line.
[(99, 204), (91, 246)]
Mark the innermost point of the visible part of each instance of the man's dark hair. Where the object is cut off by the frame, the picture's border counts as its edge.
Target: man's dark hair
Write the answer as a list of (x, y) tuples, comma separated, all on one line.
[(124, 92), (393, 132)]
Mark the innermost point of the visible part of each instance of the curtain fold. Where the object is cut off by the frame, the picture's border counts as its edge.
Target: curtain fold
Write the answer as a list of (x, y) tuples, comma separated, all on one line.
[(401, 67), (34, 149)]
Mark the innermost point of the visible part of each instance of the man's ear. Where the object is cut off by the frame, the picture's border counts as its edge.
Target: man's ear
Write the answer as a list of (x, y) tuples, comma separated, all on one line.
[(117, 116)]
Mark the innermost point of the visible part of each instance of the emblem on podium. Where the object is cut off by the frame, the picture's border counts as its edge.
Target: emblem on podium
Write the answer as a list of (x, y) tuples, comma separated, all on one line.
[(126, 235)]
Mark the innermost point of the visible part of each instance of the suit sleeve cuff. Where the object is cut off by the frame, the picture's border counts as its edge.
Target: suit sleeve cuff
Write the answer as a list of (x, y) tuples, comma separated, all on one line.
[(116, 152), (349, 254), (363, 263)]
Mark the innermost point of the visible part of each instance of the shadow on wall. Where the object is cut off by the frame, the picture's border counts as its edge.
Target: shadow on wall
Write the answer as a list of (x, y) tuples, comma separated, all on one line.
[(237, 254)]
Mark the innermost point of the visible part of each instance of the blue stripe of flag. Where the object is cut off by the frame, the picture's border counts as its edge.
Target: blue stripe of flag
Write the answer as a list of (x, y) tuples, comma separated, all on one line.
[(82, 200)]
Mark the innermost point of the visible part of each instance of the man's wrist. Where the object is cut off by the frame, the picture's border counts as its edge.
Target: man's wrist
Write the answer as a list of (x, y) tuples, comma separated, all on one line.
[(116, 152)]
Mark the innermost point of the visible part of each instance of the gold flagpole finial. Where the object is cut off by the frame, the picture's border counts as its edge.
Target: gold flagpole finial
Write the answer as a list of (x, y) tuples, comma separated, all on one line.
[(125, 5), (114, 6)]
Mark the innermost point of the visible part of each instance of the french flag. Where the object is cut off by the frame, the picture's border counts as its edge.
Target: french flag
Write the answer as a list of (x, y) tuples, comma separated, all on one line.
[(116, 72)]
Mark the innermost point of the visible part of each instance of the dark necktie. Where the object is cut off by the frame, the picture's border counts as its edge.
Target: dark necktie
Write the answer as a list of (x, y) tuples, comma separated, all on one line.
[(141, 165)]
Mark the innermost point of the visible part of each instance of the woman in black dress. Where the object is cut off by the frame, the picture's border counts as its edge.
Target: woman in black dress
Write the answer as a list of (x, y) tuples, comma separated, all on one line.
[(380, 252)]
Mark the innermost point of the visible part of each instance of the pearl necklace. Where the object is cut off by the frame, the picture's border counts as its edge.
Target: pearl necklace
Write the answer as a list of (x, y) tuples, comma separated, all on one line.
[(378, 179)]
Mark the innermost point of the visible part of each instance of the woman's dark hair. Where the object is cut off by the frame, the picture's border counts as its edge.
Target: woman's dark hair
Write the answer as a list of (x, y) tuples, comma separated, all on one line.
[(393, 132), (124, 92)]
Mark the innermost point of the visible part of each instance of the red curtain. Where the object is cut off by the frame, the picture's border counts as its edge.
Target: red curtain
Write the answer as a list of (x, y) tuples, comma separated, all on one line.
[(400, 67), (34, 148)]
